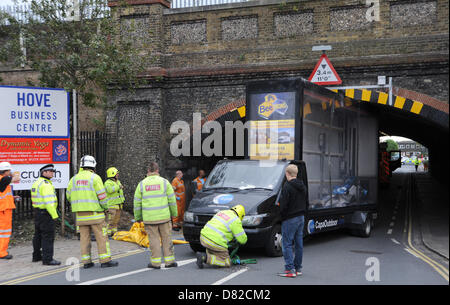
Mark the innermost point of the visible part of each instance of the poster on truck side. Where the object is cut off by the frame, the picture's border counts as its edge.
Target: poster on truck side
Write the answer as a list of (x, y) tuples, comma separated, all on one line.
[(272, 125), (35, 131)]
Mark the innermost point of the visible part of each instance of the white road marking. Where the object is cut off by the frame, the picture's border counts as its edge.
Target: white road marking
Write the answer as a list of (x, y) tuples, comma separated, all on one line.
[(395, 241), (389, 231), (108, 278), (220, 282)]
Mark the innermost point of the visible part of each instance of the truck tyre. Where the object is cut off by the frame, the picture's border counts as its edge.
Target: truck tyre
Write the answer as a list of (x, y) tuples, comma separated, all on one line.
[(366, 228), (274, 243), (197, 247)]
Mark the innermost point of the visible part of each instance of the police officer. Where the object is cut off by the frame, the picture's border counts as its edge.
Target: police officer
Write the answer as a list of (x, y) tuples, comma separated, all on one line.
[(218, 233), (87, 196), (45, 202), (114, 192), (155, 205)]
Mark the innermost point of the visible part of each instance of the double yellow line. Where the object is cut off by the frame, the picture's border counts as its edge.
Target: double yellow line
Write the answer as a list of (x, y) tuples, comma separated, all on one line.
[(50, 272), (443, 271)]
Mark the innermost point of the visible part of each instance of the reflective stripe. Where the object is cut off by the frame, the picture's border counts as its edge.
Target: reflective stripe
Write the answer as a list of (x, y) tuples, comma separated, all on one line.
[(84, 201), (142, 187), (179, 193), (112, 198), (223, 222), (85, 257), (217, 231), (169, 258), (155, 259), (3, 231), (101, 191), (154, 196), (137, 199), (90, 217), (172, 204), (156, 208), (239, 234), (137, 208), (5, 236), (165, 186), (106, 255), (9, 193), (171, 195)]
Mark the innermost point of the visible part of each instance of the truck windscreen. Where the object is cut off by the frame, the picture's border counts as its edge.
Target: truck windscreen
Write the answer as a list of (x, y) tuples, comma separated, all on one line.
[(244, 175)]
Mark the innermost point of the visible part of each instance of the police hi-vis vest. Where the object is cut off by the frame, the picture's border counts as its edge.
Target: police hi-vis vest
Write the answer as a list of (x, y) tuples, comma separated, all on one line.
[(223, 227), (114, 193), (86, 192), (154, 201), (43, 196)]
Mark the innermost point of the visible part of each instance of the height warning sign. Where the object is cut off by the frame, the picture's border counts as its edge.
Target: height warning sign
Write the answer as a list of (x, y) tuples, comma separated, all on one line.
[(324, 73)]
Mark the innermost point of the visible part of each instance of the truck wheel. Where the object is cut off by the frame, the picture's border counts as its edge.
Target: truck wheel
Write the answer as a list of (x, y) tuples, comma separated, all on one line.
[(366, 228), (197, 247), (274, 243)]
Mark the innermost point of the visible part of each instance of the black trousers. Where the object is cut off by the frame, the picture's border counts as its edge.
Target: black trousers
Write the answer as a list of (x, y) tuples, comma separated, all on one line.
[(44, 235)]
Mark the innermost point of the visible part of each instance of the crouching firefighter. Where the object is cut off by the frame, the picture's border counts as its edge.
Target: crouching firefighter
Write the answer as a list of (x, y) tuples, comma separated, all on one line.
[(218, 233), (114, 192), (87, 196)]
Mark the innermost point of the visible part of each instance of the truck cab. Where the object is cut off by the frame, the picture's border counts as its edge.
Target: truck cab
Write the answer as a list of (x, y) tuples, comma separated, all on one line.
[(254, 184)]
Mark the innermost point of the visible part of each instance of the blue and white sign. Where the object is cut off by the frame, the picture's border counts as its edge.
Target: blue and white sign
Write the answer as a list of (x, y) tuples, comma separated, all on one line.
[(34, 112), (223, 199)]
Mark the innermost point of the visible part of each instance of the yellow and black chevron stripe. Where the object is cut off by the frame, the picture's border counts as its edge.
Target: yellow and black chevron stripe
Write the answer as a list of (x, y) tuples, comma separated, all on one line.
[(380, 98)]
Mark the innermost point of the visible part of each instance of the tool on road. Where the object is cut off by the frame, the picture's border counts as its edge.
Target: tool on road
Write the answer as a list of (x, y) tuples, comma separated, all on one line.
[(236, 260)]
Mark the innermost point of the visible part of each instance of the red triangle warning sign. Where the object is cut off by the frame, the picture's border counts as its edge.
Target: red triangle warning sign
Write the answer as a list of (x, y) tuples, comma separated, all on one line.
[(324, 73)]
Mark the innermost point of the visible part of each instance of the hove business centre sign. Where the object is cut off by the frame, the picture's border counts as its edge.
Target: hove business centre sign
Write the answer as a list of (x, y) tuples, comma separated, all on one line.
[(34, 131)]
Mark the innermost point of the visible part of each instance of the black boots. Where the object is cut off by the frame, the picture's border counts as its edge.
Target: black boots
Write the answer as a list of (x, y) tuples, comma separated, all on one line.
[(52, 263), (109, 264)]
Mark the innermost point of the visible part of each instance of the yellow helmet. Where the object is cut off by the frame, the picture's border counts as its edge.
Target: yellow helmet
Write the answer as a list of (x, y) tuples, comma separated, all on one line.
[(240, 210), (111, 172)]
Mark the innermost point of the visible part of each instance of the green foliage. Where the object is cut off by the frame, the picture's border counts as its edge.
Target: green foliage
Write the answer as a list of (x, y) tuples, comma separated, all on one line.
[(391, 145), (82, 51)]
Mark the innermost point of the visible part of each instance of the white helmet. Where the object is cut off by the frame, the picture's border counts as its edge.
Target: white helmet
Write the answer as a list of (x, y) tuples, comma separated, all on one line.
[(88, 161), (5, 166)]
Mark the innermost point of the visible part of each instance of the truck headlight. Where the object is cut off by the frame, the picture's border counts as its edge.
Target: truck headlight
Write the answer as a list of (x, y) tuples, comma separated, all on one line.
[(188, 216), (253, 220)]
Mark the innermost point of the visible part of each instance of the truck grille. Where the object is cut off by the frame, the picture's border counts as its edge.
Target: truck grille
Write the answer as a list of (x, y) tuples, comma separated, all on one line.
[(204, 218)]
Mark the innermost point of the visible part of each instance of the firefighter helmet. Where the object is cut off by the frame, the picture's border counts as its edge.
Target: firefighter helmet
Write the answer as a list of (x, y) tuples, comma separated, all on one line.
[(111, 172), (240, 210)]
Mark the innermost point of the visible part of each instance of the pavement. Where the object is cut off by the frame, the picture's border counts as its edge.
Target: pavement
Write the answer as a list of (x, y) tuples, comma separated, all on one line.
[(433, 201), (64, 249)]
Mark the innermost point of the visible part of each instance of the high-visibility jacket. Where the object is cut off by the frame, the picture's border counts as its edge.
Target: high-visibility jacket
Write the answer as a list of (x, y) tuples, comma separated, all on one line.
[(154, 201), (200, 182), (43, 196), (178, 186), (114, 193), (6, 198), (223, 227), (86, 193)]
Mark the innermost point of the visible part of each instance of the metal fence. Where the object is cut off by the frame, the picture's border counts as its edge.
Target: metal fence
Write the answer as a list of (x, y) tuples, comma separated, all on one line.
[(94, 143), (197, 3), (89, 143)]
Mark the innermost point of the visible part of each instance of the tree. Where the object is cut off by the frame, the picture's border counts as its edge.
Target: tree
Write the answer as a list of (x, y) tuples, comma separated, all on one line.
[(391, 145), (74, 44)]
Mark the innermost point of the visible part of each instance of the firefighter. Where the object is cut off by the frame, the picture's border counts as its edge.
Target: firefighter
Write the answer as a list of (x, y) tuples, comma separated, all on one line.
[(178, 187), (155, 205), (217, 235), (114, 192), (87, 196), (200, 180), (45, 202), (6, 207)]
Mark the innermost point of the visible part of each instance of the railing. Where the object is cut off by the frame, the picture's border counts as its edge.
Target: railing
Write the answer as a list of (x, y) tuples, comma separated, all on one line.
[(197, 3)]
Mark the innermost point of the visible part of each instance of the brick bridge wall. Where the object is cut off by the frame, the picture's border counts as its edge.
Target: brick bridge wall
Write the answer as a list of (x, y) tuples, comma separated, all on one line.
[(203, 57)]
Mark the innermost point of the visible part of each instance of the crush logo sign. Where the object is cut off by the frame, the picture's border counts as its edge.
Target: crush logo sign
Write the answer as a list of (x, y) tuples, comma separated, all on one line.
[(223, 199), (271, 105), (319, 225)]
